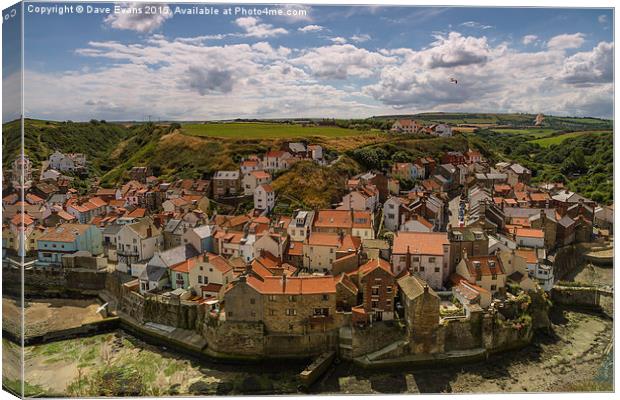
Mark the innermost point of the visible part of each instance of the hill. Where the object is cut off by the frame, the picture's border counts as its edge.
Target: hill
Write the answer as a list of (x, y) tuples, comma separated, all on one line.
[(266, 130), (41, 138)]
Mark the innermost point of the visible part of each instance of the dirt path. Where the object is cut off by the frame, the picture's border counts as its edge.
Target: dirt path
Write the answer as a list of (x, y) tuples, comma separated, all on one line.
[(557, 362)]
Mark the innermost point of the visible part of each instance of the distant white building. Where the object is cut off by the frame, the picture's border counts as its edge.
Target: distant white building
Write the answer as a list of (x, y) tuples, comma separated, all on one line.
[(442, 130), (264, 198), (67, 162)]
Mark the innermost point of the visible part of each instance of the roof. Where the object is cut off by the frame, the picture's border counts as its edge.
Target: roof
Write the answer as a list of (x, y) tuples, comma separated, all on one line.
[(296, 248), (484, 265), (293, 285), (412, 287), (532, 233), (142, 228), (428, 243), (333, 240), (226, 175), (211, 287), (266, 187), (261, 174), (178, 254), (373, 264), (346, 282), (137, 213), (22, 219), (528, 254), (64, 233), (153, 273), (219, 263)]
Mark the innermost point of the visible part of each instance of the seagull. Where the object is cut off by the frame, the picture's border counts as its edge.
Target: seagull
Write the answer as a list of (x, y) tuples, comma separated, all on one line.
[(453, 80), (101, 308)]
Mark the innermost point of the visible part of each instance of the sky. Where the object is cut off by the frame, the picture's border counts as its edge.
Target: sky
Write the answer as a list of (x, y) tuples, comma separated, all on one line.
[(332, 62)]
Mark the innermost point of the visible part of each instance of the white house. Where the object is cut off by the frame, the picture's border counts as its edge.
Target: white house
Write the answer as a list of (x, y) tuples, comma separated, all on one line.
[(68, 162), (264, 198), (424, 254), (391, 213), (137, 242), (533, 238), (253, 179), (443, 130)]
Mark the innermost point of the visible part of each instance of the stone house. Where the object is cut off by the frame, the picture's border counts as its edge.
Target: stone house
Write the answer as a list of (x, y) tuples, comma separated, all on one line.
[(473, 241), (285, 305), (254, 179), (300, 225), (421, 313), (226, 183)]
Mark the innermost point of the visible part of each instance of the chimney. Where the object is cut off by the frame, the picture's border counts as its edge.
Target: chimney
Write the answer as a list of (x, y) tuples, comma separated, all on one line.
[(426, 288), (149, 231), (205, 257), (408, 259)]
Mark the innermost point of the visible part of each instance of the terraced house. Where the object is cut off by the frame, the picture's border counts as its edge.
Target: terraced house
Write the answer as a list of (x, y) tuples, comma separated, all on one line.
[(68, 239)]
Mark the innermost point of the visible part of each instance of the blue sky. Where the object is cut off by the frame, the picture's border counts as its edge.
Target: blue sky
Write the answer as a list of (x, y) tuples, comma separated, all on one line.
[(333, 62)]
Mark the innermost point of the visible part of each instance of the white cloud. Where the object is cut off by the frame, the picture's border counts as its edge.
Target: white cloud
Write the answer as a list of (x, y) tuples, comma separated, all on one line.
[(566, 41), (254, 28), (528, 39), (338, 40), (359, 38), (590, 67), (476, 25), (139, 22), (195, 78), (342, 62), (311, 28), (602, 19)]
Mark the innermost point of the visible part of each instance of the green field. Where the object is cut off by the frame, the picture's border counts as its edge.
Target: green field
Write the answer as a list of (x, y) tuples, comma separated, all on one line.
[(551, 140), (258, 130), (537, 132)]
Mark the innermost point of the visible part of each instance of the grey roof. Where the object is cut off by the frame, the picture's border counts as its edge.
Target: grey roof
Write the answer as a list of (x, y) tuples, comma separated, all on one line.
[(440, 179), (519, 169), (153, 273), (178, 254), (297, 147), (566, 221), (112, 229), (568, 197), (518, 212), (204, 231), (226, 175), (413, 287), (448, 167)]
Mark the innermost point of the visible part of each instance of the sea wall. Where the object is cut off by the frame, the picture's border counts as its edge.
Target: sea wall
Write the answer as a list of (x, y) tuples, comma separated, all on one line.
[(584, 296), (54, 282)]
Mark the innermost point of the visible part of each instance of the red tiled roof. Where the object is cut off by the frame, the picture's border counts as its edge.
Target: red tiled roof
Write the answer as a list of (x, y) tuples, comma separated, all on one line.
[(484, 263), (428, 243), (293, 285), (532, 233)]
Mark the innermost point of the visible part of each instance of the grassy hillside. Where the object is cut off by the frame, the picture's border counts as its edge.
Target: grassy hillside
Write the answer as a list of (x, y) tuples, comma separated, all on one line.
[(263, 130), (582, 160), (557, 139), (312, 186), (42, 138)]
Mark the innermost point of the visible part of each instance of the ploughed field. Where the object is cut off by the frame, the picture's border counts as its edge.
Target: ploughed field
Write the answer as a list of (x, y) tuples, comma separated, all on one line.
[(265, 130)]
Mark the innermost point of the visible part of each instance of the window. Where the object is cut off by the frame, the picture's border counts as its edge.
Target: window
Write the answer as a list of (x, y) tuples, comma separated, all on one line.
[(252, 301), (230, 314), (272, 312), (292, 298), (375, 291), (272, 297), (416, 259), (291, 312), (205, 279), (210, 269), (388, 289), (493, 287), (421, 269), (201, 267), (321, 312), (403, 258), (199, 279), (375, 304), (325, 297), (431, 259), (494, 277), (436, 269)]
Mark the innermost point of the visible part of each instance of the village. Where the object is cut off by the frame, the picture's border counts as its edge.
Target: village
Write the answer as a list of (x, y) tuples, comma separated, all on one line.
[(463, 261)]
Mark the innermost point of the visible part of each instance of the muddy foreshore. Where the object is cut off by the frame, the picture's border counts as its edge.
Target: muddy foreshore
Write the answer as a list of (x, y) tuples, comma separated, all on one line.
[(573, 355)]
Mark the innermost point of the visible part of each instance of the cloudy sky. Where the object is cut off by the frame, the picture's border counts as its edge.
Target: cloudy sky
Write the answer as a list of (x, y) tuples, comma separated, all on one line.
[(333, 62)]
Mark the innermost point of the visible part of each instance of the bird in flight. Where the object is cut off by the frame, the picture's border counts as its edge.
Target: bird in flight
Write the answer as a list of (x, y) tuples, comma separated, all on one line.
[(453, 80)]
